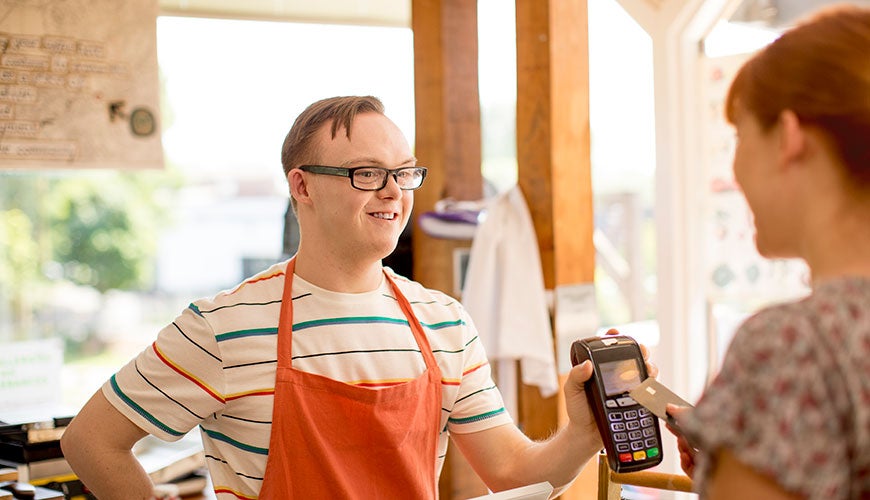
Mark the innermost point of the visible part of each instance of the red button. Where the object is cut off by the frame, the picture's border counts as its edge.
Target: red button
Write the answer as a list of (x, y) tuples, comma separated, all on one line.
[(625, 457)]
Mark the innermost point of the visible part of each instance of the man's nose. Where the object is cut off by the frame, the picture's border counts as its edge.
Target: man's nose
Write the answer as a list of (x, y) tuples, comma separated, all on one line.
[(392, 183)]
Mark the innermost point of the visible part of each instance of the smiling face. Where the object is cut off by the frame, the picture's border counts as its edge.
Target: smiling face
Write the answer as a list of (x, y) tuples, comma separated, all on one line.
[(344, 223)]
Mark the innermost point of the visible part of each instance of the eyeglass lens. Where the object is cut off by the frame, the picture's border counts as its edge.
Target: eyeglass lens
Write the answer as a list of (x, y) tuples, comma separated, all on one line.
[(373, 178)]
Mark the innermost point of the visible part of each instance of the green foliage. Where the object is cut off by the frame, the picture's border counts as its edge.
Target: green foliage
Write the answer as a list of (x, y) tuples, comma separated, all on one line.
[(20, 263), (102, 228), (96, 235)]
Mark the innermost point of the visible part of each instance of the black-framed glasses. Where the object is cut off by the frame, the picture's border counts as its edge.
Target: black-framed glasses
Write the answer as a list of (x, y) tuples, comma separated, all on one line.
[(373, 178)]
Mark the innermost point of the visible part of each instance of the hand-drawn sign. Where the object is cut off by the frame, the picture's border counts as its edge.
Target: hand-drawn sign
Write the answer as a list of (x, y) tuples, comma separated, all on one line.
[(63, 65)]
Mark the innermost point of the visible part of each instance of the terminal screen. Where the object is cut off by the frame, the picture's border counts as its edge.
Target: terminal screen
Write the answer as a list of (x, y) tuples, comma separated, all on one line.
[(620, 376)]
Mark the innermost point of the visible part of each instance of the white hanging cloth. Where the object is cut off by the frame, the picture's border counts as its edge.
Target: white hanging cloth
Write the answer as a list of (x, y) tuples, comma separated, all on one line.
[(505, 297)]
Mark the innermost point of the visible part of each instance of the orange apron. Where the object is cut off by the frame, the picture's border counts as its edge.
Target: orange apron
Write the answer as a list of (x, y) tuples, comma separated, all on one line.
[(334, 440)]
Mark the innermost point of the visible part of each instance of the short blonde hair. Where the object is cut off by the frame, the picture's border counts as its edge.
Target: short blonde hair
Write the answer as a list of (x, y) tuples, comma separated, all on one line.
[(298, 148)]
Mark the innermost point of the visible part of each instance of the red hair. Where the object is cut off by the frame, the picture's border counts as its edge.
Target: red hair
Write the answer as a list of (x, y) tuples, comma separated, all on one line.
[(820, 70)]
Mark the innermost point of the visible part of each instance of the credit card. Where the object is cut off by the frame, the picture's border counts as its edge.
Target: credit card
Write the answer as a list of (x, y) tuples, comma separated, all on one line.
[(655, 397)]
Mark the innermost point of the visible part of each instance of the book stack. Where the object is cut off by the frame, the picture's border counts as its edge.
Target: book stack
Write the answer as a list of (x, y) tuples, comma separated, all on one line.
[(33, 451)]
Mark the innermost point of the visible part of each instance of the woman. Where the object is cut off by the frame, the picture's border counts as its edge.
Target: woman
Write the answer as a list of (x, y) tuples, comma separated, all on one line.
[(788, 416)]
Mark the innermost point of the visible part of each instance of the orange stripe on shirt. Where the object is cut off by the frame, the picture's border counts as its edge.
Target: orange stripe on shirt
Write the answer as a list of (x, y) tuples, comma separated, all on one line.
[(474, 367), (255, 392), (456, 381), (184, 373), (221, 489), (380, 383), (255, 280)]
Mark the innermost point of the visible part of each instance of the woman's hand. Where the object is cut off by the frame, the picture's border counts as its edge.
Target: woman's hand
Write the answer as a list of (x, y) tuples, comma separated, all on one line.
[(687, 451)]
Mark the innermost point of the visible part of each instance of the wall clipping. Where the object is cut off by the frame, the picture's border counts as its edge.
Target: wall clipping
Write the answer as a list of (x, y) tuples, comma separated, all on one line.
[(79, 84)]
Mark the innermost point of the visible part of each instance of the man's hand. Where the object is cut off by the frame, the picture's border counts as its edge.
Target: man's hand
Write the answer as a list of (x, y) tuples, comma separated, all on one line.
[(651, 369), (505, 458), (579, 412)]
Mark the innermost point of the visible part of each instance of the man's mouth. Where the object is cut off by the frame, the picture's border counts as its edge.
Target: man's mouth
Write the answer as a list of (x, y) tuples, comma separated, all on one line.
[(383, 215)]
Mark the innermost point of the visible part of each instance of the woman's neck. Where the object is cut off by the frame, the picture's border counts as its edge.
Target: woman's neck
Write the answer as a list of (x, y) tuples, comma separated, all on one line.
[(840, 246)]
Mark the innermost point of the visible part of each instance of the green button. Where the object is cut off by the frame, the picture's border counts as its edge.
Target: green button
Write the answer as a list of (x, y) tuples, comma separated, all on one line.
[(652, 452)]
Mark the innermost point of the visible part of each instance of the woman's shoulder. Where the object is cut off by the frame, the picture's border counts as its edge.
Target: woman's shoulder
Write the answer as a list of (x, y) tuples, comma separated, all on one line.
[(835, 311), (847, 297)]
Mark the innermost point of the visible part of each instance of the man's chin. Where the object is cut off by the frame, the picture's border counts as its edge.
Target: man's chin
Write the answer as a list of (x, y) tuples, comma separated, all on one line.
[(388, 253), (374, 250)]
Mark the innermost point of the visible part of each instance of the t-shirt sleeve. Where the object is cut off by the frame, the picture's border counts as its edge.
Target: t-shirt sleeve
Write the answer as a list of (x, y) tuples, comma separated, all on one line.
[(770, 406), (479, 403), (175, 383)]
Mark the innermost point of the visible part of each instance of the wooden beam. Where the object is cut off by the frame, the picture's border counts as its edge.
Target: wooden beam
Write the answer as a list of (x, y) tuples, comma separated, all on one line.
[(448, 143), (447, 123), (553, 156), (553, 140)]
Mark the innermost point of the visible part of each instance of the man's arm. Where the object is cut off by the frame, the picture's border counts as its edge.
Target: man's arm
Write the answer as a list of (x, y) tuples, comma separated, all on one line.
[(98, 443), (505, 458)]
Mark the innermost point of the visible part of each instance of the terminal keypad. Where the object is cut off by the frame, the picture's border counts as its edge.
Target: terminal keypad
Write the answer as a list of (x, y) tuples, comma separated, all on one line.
[(633, 429)]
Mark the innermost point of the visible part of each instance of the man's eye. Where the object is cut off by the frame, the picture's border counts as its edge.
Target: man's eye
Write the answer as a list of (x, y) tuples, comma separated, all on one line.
[(367, 174)]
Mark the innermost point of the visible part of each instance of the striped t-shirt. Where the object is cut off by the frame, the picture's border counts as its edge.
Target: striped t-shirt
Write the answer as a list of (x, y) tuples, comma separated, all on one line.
[(214, 366)]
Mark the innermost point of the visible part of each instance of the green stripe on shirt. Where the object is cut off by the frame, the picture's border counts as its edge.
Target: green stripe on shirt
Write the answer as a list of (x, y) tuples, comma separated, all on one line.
[(476, 418), (443, 324), (353, 320), (253, 332), (233, 442), (141, 411)]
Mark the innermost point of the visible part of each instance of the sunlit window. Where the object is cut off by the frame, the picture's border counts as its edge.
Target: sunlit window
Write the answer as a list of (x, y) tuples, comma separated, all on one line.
[(622, 125)]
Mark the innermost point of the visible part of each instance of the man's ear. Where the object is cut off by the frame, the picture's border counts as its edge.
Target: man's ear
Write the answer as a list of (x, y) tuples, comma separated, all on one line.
[(792, 140), (298, 186)]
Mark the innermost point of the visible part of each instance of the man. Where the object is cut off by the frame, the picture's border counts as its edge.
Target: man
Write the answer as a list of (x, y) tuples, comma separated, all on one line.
[(327, 376)]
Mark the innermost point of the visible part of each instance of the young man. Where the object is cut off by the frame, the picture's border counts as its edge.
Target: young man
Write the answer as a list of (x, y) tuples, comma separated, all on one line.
[(327, 375)]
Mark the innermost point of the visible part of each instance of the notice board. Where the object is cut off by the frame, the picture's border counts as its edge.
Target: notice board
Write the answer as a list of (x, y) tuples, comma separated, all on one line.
[(79, 84)]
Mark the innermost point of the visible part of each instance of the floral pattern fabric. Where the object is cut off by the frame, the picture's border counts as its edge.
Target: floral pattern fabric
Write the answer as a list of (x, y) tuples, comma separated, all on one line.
[(792, 398)]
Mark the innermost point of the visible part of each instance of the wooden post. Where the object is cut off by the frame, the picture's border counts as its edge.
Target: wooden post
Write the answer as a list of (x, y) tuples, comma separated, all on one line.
[(448, 143), (553, 156), (447, 123)]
